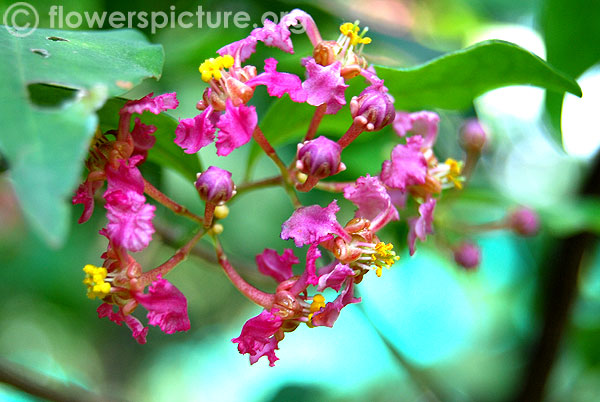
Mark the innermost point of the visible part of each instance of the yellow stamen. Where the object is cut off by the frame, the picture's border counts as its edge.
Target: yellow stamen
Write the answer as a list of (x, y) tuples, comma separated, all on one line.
[(94, 280), (454, 173), (384, 257), (318, 303), (351, 31), (213, 67), (221, 211)]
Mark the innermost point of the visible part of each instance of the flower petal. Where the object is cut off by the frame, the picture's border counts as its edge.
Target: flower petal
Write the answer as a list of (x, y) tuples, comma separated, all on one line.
[(274, 35), (129, 219), (241, 50), (196, 133), (278, 267), (279, 83), (335, 278), (151, 104), (422, 226), (330, 313), (373, 201), (237, 125), (257, 337), (313, 224), (407, 166), (324, 85), (166, 305)]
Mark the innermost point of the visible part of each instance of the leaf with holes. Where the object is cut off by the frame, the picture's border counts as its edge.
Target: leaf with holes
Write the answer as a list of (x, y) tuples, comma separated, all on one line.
[(45, 145), (452, 81)]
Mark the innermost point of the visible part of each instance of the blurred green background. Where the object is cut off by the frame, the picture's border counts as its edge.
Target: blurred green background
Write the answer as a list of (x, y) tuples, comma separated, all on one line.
[(463, 336)]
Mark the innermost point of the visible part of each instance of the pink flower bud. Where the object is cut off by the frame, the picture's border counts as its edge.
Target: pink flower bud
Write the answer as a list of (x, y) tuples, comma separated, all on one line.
[(375, 105), (467, 255), (524, 221), (215, 185), (472, 136), (320, 158)]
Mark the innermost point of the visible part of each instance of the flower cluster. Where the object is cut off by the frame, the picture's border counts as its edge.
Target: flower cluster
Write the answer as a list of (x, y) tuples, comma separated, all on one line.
[(115, 157), (410, 185)]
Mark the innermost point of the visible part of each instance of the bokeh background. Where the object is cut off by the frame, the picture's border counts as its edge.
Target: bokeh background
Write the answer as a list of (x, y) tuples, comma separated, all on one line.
[(447, 334)]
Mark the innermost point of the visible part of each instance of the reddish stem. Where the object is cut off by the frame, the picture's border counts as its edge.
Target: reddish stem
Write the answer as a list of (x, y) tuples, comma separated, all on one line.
[(259, 297), (148, 277), (315, 122), (357, 127), (124, 124), (161, 198), (310, 182), (333, 186), (209, 211)]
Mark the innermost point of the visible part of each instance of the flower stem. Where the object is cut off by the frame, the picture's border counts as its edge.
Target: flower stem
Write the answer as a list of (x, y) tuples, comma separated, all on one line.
[(259, 137), (161, 198), (148, 277), (316, 120), (209, 210), (357, 127), (333, 186), (259, 297), (268, 182)]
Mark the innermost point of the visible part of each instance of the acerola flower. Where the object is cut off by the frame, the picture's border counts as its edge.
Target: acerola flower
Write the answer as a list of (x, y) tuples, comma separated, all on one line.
[(423, 123), (333, 276), (327, 315), (422, 226), (278, 83), (227, 92)]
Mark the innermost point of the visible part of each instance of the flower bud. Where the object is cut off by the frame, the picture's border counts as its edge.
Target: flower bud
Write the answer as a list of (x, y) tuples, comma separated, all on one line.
[(375, 105), (524, 221), (320, 158), (472, 136), (325, 52), (215, 185), (467, 255)]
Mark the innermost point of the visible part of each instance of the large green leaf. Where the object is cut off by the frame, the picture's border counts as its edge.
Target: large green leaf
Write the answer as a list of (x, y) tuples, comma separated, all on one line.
[(571, 30), (452, 81), (45, 146)]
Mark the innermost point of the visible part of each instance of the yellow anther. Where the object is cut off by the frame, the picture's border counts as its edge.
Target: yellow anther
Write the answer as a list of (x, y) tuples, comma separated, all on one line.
[(221, 211), (317, 304), (213, 67), (454, 173), (351, 31), (384, 257), (94, 280)]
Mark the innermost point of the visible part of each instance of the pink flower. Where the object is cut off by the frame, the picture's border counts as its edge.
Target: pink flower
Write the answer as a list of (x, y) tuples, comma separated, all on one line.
[(422, 226), (313, 224), (407, 166), (139, 332), (327, 315), (237, 125), (126, 177), (373, 201), (166, 305), (324, 85), (257, 337), (297, 16), (279, 83), (196, 133), (241, 50), (279, 267), (320, 157), (129, 219), (154, 105), (333, 276), (524, 221)]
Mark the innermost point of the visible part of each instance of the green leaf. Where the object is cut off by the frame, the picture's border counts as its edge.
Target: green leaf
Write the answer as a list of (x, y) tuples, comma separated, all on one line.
[(573, 50), (45, 146), (165, 152), (452, 81)]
